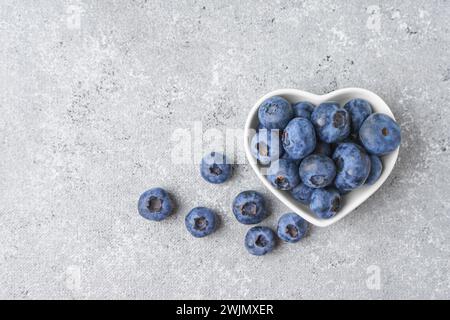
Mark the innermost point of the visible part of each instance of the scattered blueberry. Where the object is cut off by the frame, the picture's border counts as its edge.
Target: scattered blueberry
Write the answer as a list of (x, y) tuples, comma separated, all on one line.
[(299, 138), (283, 174), (275, 113), (317, 171), (249, 207), (259, 240), (376, 167), (215, 168), (359, 110), (291, 227), (302, 193), (325, 203), (332, 122), (323, 148), (352, 166), (201, 222), (155, 204), (266, 145), (303, 109), (380, 134)]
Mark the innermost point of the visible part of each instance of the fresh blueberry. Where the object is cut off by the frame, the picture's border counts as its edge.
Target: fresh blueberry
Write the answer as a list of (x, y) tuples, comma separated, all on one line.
[(249, 207), (291, 227), (215, 168), (352, 166), (376, 167), (275, 113), (317, 171), (299, 138), (380, 134), (259, 240), (325, 203), (266, 145), (302, 193), (323, 148), (303, 109), (155, 204), (359, 110), (283, 174), (200, 222), (332, 122)]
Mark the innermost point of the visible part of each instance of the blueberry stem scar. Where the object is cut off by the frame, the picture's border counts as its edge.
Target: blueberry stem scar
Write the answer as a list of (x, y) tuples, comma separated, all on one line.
[(249, 209), (335, 204), (261, 241), (291, 230), (154, 204), (215, 170), (200, 223)]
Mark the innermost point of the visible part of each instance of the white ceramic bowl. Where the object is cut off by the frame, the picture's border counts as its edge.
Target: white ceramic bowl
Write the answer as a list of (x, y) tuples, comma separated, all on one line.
[(351, 200)]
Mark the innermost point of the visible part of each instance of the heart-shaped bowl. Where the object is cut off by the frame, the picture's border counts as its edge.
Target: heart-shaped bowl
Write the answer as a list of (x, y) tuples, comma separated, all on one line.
[(351, 200)]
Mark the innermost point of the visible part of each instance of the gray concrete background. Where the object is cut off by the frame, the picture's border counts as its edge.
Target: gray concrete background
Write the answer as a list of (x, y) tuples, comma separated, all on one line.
[(87, 110)]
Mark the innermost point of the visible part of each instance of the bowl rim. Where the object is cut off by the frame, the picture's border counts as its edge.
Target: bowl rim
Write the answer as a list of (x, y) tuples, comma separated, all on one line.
[(378, 105)]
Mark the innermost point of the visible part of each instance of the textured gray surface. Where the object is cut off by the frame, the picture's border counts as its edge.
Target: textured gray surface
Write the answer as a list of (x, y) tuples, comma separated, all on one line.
[(87, 111)]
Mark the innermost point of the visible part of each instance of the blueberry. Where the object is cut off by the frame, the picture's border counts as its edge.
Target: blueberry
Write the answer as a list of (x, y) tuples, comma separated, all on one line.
[(332, 122), (155, 204), (291, 227), (380, 134), (215, 168), (266, 145), (325, 203), (299, 138), (249, 207), (275, 113), (259, 240), (352, 166), (200, 222), (302, 193), (323, 148), (359, 110), (317, 171), (303, 109), (376, 167), (283, 174)]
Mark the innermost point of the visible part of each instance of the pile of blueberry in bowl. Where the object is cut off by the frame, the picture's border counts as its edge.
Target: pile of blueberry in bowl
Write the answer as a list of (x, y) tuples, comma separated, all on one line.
[(317, 154)]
